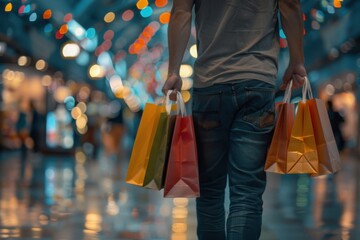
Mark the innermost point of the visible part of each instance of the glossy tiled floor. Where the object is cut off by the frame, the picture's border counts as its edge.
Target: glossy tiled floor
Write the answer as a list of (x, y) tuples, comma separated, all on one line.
[(61, 197)]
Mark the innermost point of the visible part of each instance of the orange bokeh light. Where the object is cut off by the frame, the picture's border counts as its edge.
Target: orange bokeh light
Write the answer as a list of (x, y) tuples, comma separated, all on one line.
[(164, 18), (47, 14), (337, 3), (141, 4), (63, 29), (161, 3)]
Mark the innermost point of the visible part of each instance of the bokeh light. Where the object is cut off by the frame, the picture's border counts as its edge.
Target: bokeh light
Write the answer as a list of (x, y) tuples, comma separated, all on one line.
[(63, 29), (76, 113), (96, 71), (23, 61), (193, 51), (141, 4), (70, 50), (91, 33), (41, 65), (68, 17), (69, 102), (164, 18), (8, 7), (109, 17), (146, 12), (186, 71), (161, 3), (33, 17), (48, 28), (128, 15), (47, 14)]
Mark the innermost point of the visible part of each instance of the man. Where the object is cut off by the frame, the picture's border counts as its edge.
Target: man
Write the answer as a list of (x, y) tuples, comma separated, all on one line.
[(233, 101)]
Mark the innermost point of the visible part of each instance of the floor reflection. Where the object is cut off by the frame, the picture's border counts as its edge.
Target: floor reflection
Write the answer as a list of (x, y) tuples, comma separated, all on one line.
[(64, 197)]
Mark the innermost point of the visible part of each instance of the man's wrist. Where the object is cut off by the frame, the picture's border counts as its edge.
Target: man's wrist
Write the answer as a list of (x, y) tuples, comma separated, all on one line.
[(174, 73)]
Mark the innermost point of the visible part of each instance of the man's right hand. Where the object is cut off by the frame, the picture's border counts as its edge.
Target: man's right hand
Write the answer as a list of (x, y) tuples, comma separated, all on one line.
[(295, 72), (173, 82)]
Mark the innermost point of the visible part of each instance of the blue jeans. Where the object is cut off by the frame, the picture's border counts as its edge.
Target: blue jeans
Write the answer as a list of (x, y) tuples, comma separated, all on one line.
[(233, 126)]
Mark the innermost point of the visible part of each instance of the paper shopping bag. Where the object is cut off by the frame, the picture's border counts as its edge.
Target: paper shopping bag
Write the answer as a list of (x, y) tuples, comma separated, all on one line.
[(182, 176), (329, 159), (302, 151), (276, 160), (142, 145), (159, 154)]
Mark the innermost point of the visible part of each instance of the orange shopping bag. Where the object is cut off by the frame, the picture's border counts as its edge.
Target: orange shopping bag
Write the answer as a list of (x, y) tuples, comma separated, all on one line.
[(276, 160), (143, 142), (302, 154), (329, 158)]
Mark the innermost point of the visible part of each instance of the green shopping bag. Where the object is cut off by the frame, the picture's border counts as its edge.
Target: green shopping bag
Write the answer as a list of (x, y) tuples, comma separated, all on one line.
[(159, 154)]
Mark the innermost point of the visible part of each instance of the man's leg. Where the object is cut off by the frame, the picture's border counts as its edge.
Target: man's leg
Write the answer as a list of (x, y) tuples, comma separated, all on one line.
[(212, 134), (250, 136)]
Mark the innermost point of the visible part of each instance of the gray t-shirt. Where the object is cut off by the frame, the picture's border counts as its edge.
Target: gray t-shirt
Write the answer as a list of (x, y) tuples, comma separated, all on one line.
[(236, 40)]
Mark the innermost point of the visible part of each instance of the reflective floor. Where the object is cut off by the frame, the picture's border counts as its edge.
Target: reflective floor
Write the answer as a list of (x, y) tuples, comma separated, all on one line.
[(81, 197)]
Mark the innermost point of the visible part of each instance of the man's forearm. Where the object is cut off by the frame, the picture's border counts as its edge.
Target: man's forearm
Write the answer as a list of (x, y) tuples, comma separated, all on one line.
[(292, 23), (178, 34)]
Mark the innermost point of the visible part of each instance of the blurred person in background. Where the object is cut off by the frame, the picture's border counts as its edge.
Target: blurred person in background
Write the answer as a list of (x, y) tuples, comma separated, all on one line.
[(22, 130), (233, 101), (336, 121), (35, 127)]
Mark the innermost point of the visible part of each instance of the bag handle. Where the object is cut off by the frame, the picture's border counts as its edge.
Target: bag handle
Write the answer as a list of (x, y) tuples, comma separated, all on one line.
[(287, 94), (181, 109), (306, 90)]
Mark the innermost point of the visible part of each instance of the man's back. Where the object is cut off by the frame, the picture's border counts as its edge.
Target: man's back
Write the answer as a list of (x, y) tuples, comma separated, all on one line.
[(237, 39)]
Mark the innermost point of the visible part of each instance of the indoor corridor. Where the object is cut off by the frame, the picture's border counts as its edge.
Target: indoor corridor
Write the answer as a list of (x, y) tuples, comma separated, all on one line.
[(81, 197)]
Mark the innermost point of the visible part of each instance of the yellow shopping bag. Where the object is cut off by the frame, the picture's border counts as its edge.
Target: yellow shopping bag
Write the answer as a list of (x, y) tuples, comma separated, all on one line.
[(143, 142), (302, 154)]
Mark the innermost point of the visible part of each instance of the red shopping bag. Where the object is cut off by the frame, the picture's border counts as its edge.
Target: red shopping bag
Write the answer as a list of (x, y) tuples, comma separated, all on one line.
[(182, 177)]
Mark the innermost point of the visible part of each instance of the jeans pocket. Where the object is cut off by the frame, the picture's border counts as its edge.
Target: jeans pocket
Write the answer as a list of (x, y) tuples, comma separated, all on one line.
[(206, 109), (259, 106)]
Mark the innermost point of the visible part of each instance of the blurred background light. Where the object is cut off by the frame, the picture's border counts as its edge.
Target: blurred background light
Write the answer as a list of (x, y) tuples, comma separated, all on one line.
[(128, 15), (193, 51), (146, 12), (96, 71), (23, 61), (141, 4), (109, 17), (41, 65), (8, 7), (47, 14), (70, 50), (186, 71), (33, 17)]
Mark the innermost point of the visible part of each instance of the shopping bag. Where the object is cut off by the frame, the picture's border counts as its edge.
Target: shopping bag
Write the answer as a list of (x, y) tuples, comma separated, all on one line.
[(159, 154), (329, 158), (144, 138), (182, 176), (276, 159), (302, 154)]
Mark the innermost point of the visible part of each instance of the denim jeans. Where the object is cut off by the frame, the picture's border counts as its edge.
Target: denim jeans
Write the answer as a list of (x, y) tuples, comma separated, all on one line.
[(233, 126)]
